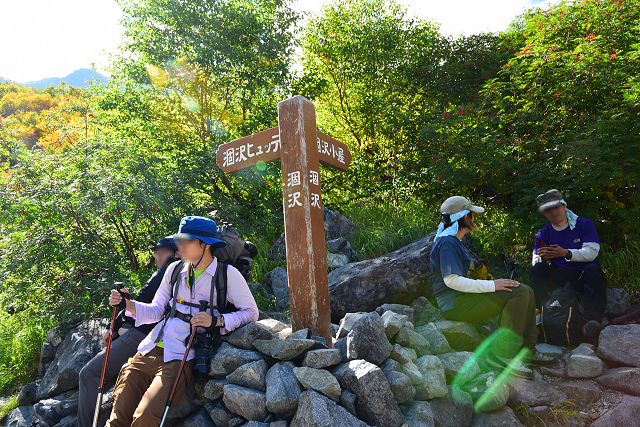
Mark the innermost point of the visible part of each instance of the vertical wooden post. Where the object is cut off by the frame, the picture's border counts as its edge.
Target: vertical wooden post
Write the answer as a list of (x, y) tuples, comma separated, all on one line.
[(304, 217)]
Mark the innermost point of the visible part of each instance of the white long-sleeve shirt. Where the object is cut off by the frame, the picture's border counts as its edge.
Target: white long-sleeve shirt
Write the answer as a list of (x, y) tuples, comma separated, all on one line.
[(465, 284)]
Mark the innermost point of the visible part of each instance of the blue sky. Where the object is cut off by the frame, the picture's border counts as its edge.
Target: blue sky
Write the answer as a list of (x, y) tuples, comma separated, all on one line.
[(52, 38)]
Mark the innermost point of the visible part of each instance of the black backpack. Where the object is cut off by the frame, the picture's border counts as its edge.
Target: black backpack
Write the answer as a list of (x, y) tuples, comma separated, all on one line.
[(237, 251), (562, 317)]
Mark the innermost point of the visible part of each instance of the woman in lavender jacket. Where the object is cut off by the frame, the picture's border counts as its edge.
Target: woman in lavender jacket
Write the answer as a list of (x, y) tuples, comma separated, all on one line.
[(144, 384)]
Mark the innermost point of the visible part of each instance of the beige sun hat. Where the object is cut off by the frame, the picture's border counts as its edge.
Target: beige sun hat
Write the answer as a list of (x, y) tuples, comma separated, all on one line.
[(456, 204)]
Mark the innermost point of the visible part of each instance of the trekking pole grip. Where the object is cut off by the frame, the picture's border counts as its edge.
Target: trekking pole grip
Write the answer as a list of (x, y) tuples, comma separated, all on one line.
[(125, 295)]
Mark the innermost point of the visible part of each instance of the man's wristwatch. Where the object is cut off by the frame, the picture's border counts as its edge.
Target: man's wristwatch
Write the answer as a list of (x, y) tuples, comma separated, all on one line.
[(569, 255), (220, 321)]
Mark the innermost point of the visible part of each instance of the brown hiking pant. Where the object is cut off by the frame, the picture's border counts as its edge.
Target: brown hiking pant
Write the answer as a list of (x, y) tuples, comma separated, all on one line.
[(143, 387)]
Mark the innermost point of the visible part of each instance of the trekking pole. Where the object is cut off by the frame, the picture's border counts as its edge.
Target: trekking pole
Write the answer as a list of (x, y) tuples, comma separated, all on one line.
[(119, 286), (203, 307)]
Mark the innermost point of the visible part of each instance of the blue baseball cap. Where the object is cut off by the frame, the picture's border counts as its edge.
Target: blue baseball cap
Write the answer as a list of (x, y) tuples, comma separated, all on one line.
[(166, 242), (200, 228)]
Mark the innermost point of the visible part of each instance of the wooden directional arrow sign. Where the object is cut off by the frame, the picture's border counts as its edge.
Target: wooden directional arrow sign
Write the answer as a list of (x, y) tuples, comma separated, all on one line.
[(301, 149), (264, 146)]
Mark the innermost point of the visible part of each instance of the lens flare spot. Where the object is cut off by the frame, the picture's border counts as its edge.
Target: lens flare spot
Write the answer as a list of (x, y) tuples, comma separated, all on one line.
[(157, 75)]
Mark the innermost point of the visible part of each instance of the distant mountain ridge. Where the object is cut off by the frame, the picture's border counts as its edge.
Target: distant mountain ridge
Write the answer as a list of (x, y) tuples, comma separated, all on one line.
[(80, 78)]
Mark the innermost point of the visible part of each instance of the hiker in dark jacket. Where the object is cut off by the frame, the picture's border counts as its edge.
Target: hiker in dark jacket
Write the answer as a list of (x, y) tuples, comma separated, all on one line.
[(463, 298), (164, 253), (566, 251)]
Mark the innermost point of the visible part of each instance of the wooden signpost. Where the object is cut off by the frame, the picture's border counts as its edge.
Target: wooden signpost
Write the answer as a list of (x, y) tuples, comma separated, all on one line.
[(301, 149)]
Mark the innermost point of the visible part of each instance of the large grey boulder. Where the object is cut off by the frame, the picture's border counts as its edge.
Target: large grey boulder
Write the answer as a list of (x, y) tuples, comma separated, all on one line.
[(461, 336), (283, 390), (436, 339), (348, 321), (244, 336), (315, 410), (535, 392), (584, 366), (229, 358), (424, 312), (618, 301), (504, 417), (27, 395), (460, 365), (368, 340), (251, 375), (401, 386), (433, 383), (393, 322), (626, 380), (284, 349), (246, 402), (336, 225), (626, 413), (375, 402), (398, 276), (199, 419), (322, 358), (212, 389), (341, 246), (221, 415), (278, 283), (21, 416), (319, 380), (79, 346), (418, 414), (51, 411), (620, 344), (409, 338), (336, 260), (583, 392), (455, 410)]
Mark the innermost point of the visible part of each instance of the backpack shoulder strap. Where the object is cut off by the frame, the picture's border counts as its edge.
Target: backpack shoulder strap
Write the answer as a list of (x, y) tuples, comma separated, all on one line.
[(219, 281), (174, 285), (174, 292)]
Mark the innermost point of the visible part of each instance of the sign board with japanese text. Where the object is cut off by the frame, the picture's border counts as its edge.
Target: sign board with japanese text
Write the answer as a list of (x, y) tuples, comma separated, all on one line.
[(301, 149)]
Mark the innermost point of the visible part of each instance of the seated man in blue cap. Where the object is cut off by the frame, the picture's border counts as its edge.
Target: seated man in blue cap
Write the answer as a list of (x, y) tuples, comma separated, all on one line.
[(144, 385), (566, 251), (164, 253)]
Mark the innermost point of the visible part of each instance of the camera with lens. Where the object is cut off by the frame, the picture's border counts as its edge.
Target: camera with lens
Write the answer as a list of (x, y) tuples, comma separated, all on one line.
[(203, 345)]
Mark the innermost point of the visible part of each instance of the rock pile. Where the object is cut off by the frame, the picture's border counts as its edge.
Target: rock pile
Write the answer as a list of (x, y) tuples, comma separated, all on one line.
[(394, 361), (397, 365)]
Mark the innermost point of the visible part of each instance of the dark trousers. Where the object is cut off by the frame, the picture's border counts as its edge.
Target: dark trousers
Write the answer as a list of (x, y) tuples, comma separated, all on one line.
[(121, 350), (589, 282), (517, 312)]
